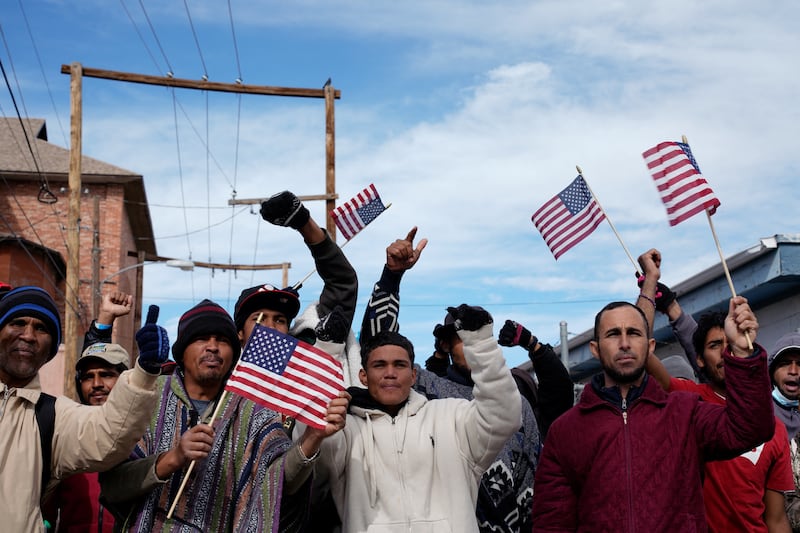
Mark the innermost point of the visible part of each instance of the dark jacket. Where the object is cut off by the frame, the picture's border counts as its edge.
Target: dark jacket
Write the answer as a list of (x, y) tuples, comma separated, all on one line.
[(602, 471)]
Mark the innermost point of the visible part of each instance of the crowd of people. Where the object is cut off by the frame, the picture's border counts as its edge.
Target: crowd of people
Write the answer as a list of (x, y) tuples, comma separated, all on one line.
[(459, 443)]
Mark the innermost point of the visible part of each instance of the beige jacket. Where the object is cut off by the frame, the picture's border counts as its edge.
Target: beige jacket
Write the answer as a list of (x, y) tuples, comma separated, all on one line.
[(86, 438)]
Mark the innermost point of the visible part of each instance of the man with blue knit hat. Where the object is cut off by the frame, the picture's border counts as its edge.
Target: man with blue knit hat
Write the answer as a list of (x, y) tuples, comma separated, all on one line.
[(248, 475), (44, 439)]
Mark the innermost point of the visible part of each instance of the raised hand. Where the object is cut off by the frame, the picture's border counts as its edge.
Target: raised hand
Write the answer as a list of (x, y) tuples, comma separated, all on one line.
[(470, 317), (401, 254), (153, 343), (285, 209), (114, 305), (741, 327), (515, 334)]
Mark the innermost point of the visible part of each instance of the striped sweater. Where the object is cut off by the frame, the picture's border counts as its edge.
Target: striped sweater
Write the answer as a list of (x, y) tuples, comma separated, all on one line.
[(238, 487)]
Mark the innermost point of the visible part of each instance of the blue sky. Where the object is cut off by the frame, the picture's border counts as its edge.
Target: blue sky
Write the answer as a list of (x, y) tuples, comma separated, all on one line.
[(466, 115)]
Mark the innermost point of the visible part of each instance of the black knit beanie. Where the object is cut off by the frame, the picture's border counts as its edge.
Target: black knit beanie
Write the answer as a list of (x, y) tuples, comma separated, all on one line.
[(205, 318), (33, 302)]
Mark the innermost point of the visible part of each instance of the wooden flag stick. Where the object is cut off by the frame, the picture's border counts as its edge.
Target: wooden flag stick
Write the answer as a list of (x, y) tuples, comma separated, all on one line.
[(635, 266), (300, 283), (217, 410), (721, 256), (220, 402), (725, 269)]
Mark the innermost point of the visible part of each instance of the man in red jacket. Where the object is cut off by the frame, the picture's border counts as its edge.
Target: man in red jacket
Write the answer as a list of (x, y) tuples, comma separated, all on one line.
[(629, 456)]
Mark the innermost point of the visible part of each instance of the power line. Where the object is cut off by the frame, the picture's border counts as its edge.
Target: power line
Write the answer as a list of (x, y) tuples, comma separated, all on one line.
[(200, 230), (141, 37), (196, 40), (41, 69), (158, 42), (235, 45), (44, 186)]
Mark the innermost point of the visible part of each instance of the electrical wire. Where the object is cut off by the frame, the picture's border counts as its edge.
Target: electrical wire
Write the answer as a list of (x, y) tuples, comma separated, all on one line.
[(141, 37), (196, 41), (170, 72), (41, 69), (200, 230)]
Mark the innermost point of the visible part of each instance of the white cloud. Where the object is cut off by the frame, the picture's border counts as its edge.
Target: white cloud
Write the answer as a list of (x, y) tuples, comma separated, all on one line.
[(487, 111)]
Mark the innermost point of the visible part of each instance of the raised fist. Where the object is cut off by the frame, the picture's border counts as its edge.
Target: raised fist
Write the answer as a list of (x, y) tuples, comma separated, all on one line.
[(285, 209), (470, 317)]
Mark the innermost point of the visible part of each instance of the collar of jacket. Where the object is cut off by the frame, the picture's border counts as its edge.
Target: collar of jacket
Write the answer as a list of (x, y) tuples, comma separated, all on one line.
[(596, 395), (362, 404)]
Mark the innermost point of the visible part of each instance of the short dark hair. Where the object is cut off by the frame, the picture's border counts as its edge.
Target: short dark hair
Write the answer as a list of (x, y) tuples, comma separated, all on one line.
[(616, 305), (385, 338), (706, 322)]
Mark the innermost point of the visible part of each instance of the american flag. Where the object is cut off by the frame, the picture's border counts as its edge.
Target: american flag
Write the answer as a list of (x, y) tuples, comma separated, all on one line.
[(568, 217), (287, 375), (353, 216), (683, 190)]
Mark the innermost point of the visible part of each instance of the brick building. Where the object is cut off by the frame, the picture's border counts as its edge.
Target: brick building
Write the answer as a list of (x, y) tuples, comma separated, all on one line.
[(33, 228)]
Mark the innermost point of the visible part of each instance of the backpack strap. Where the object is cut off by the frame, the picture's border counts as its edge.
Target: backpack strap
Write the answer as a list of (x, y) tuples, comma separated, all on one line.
[(46, 419)]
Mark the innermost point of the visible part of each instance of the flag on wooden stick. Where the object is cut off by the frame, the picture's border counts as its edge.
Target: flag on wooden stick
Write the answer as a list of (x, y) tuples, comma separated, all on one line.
[(568, 217), (683, 189), (354, 215), (287, 375)]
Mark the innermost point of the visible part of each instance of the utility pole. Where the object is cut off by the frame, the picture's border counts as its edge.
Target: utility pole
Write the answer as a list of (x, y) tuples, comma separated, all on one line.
[(77, 72), (95, 255), (330, 159), (72, 303), (328, 92)]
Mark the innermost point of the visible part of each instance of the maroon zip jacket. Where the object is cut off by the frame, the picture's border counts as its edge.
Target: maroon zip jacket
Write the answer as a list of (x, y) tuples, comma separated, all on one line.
[(602, 471)]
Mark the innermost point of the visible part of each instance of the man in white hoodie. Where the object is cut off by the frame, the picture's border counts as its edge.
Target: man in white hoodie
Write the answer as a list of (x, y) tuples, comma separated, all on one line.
[(405, 463)]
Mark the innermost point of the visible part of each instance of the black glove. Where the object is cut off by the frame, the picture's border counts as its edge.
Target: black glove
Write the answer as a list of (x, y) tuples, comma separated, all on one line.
[(285, 209), (153, 343), (470, 317), (333, 327), (664, 295), (514, 334)]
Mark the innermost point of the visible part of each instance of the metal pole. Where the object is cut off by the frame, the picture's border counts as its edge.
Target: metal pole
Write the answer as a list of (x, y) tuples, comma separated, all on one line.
[(564, 347)]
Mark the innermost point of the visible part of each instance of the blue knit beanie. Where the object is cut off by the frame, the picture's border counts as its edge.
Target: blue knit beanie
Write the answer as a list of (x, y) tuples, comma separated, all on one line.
[(33, 302)]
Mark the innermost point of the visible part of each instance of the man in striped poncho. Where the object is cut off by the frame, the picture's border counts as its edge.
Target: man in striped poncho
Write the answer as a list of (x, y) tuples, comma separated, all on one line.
[(248, 474)]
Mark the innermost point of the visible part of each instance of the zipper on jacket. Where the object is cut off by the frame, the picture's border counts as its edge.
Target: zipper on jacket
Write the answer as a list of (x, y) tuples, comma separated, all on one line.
[(628, 466), (6, 395), (625, 411)]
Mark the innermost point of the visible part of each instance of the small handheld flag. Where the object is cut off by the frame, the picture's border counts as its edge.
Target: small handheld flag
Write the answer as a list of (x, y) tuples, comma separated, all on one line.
[(287, 375), (568, 217), (683, 189), (354, 215)]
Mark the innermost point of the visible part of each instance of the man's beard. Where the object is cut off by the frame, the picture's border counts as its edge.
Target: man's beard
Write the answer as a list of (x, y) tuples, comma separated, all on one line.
[(628, 377)]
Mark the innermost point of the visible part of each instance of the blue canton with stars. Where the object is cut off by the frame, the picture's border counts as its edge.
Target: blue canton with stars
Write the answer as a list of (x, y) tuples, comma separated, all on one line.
[(688, 152), (370, 211), (269, 349), (576, 196)]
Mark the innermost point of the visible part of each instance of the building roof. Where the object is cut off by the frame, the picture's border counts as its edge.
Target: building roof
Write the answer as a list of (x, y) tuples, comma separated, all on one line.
[(52, 162)]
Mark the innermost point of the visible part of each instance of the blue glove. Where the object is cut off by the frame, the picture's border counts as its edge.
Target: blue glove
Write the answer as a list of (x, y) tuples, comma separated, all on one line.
[(153, 343)]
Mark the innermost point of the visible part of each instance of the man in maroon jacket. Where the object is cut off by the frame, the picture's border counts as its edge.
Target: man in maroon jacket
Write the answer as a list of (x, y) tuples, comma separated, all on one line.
[(629, 456)]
